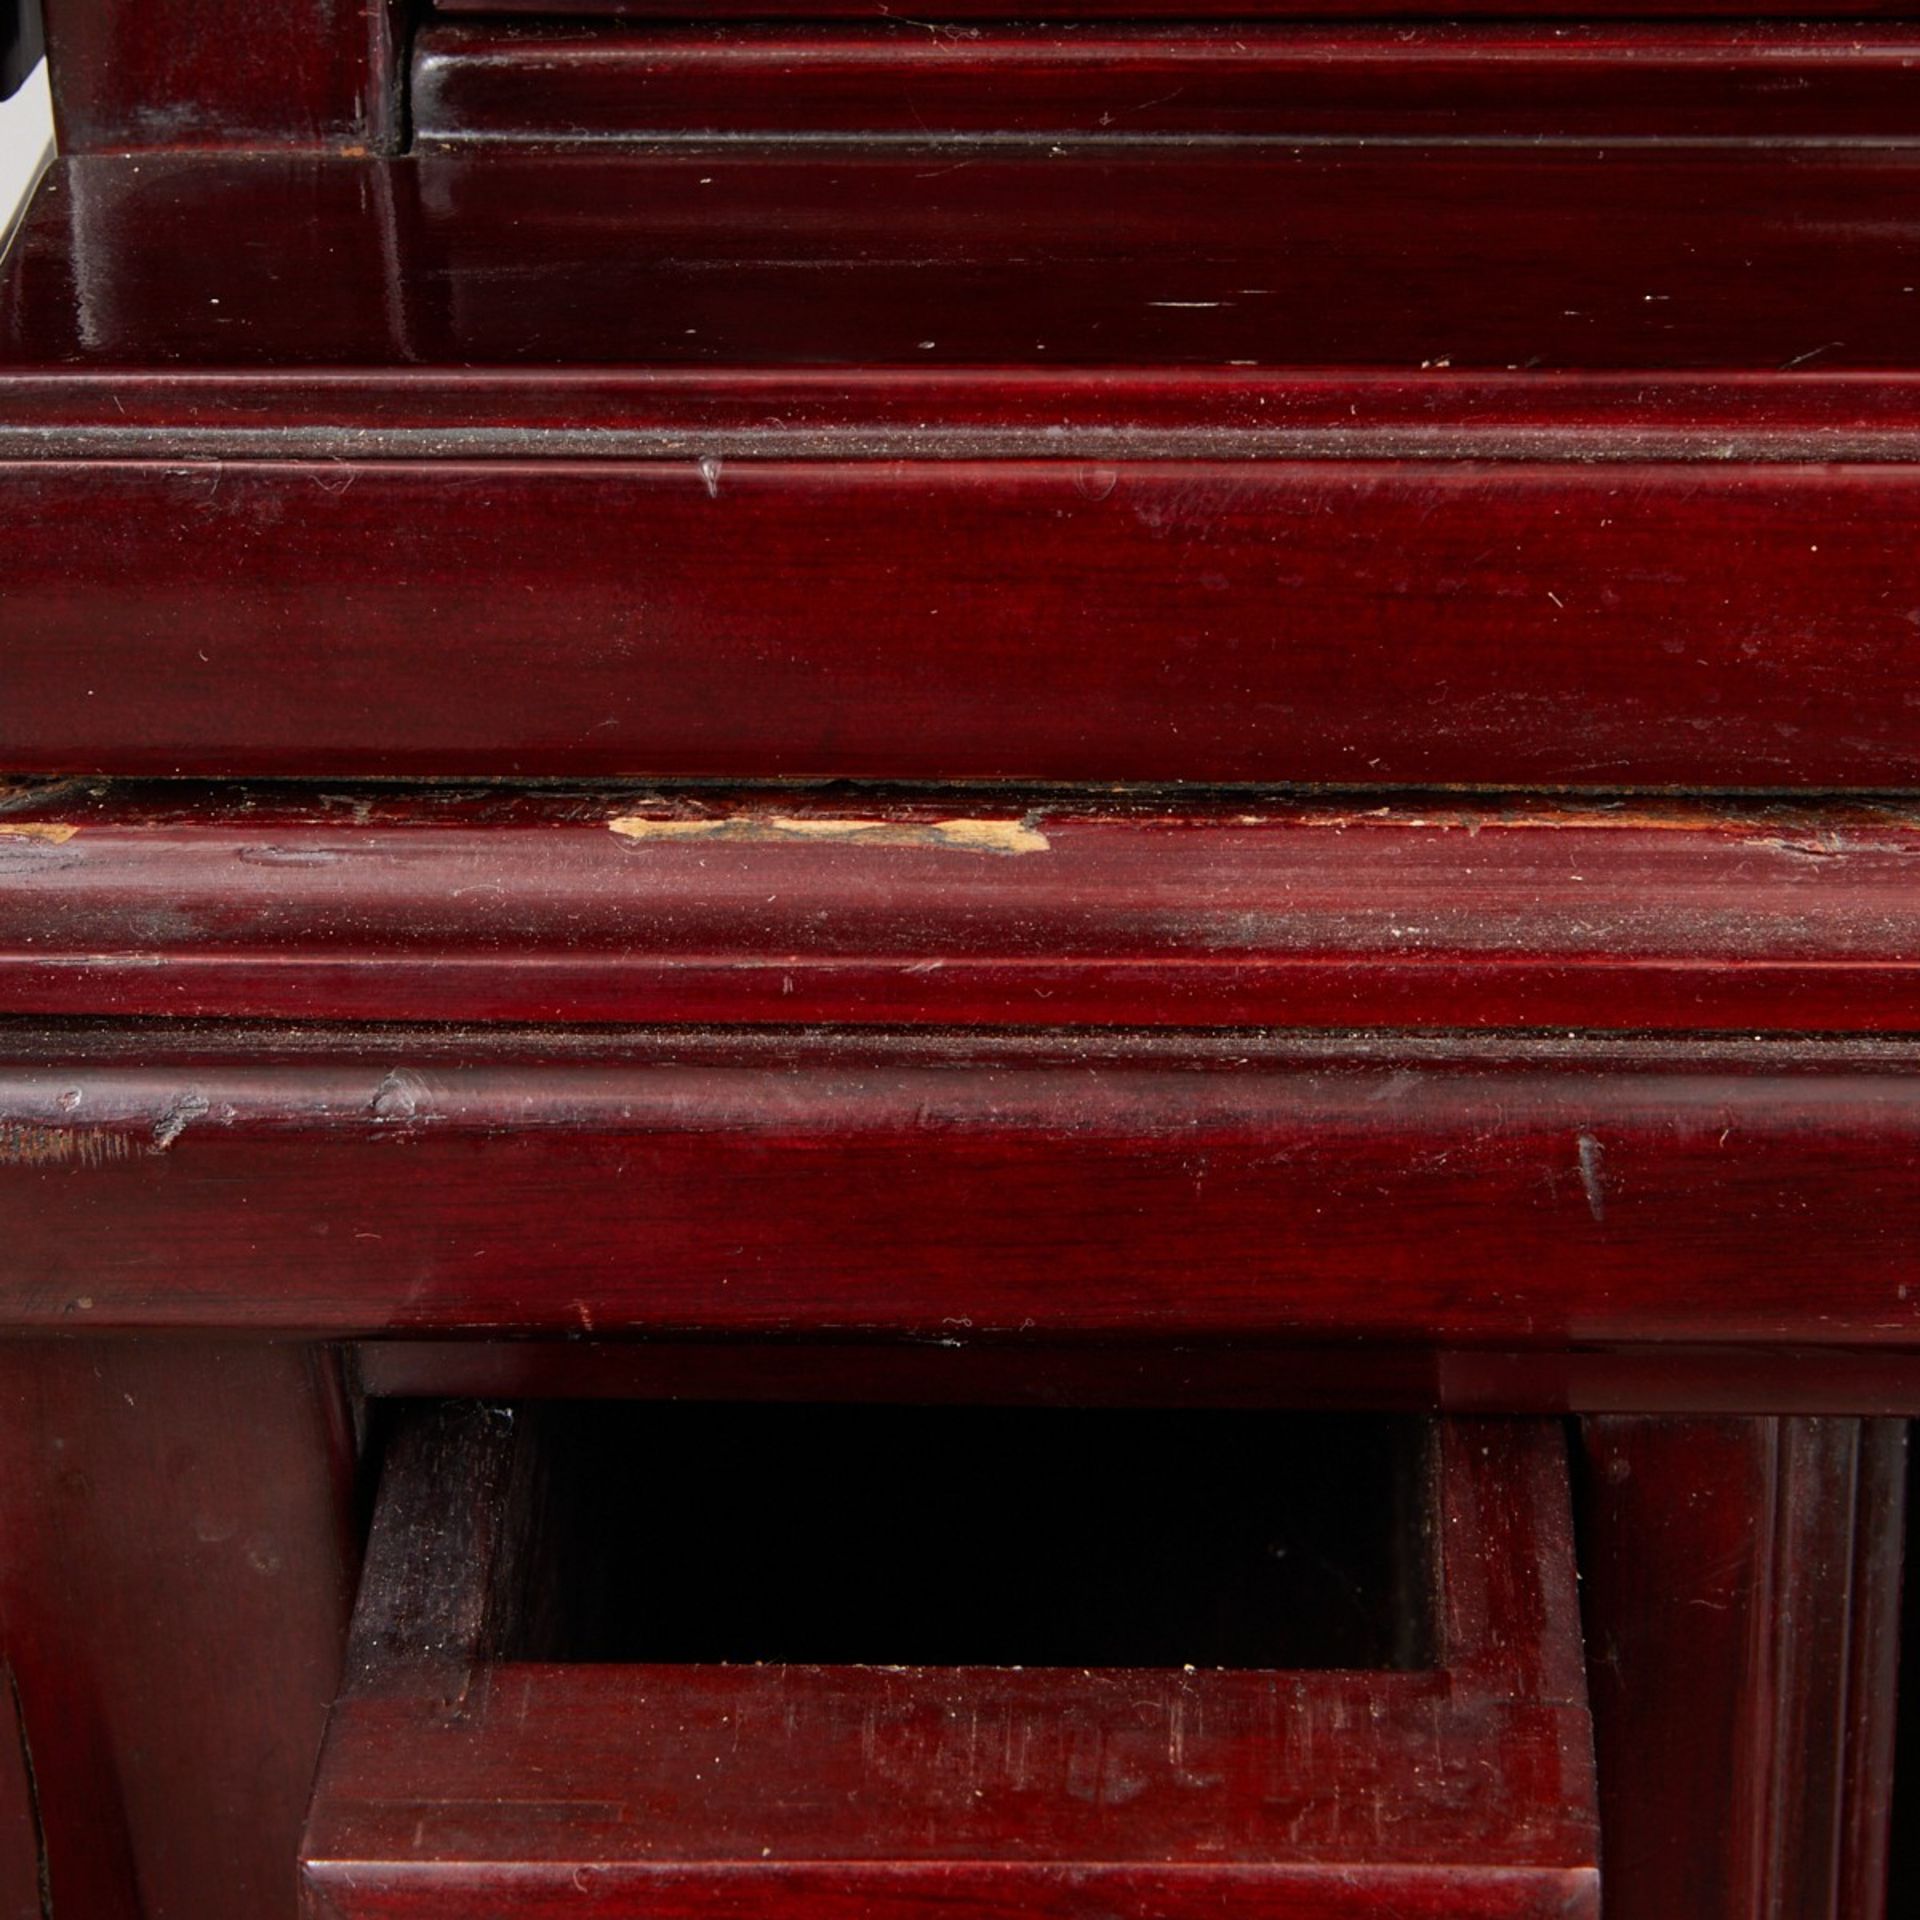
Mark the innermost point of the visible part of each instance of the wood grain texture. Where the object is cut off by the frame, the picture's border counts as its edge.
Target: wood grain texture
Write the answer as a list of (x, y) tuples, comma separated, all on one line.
[(1746, 1569), (585, 85), (865, 909), (1431, 1192), (225, 73), (1734, 626), (834, 1790), (446, 1570), (176, 1564), (1216, 573)]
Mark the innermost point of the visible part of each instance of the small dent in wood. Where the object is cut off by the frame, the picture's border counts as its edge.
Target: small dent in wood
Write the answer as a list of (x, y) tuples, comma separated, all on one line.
[(400, 1095), (181, 1113)]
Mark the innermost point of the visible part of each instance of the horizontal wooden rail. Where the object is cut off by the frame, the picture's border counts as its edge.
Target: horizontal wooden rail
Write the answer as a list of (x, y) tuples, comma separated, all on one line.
[(788, 908), (477, 86), (1496, 1193), (1394, 465)]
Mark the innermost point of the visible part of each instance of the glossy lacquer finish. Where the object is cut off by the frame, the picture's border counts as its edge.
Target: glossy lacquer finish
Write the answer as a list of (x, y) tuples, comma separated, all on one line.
[(480, 86), (874, 909), (177, 1559), (456, 1781), (224, 73), (748, 521), (889, 909), (1741, 1587), (1736, 625), (1446, 1192), (1318, 260)]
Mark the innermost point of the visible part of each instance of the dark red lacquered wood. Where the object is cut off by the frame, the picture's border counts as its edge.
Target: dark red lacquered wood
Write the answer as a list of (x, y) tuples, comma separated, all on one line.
[(1770, 601), (828, 1791), (1239, 1373), (176, 1565), (20, 1849), (573, 86), (1641, 10), (1869, 1724), (357, 413), (1251, 465), (1542, 619), (892, 909), (782, 597), (225, 73), (1733, 626), (1437, 1193), (1741, 1589), (1307, 260)]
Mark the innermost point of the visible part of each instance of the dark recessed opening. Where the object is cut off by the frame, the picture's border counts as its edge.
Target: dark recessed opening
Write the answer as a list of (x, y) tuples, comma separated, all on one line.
[(982, 1536)]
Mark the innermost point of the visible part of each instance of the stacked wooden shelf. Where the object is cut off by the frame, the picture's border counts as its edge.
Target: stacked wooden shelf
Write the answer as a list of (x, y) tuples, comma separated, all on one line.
[(1203, 710), (1233, 450)]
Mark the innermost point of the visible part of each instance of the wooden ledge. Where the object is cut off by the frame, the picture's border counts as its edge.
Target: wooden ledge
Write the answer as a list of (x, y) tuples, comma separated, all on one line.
[(794, 908), (1332, 466), (480, 86), (1439, 1193)]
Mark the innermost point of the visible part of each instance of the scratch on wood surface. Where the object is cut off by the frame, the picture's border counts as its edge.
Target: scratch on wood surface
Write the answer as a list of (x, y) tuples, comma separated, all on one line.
[(43, 1869), (957, 836), (25, 1145), (181, 1113), (56, 832), (1593, 1176)]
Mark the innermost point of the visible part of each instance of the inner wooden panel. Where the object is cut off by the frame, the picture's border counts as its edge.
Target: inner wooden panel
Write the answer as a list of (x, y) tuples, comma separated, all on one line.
[(977, 1536)]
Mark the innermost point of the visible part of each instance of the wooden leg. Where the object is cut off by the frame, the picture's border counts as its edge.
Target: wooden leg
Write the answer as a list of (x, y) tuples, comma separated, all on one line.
[(176, 1567), (20, 1891), (1742, 1596)]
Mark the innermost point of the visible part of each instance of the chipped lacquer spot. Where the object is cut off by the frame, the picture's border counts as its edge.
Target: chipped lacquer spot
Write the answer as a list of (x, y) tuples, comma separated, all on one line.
[(958, 836)]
